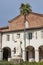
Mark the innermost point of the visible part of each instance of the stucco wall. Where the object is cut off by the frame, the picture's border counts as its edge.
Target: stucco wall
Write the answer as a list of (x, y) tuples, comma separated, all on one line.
[(12, 44)]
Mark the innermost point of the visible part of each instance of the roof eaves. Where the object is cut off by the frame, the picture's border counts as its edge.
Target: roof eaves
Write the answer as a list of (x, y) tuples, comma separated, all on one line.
[(4, 28), (23, 29)]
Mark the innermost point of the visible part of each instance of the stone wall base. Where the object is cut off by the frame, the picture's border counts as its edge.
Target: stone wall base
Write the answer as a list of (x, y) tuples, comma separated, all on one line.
[(16, 61)]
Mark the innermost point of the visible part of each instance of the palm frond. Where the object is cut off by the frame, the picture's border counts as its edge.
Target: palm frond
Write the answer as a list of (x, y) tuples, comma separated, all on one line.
[(25, 9)]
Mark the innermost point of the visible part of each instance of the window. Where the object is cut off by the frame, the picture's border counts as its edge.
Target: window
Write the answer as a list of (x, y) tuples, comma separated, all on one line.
[(29, 35), (14, 50), (18, 35), (8, 37), (41, 34), (13, 38), (20, 42)]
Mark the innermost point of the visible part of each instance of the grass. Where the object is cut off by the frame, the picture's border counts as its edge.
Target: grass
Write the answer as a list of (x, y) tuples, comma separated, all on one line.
[(24, 63), (6, 63), (32, 63)]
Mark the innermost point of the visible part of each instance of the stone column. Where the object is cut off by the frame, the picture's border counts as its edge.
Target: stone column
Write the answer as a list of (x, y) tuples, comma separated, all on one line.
[(24, 55), (37, 55), (12, 54)]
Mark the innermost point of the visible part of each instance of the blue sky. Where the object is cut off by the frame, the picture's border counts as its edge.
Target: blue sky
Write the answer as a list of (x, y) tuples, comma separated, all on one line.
[(10, 9)]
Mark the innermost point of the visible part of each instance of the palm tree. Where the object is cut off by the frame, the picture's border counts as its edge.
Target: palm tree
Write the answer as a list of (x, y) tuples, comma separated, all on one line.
[(25, 9)]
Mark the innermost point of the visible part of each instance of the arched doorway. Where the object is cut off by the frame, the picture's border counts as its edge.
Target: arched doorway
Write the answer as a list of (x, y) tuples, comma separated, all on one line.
[(41, 53), (6, 53), (30, 53)]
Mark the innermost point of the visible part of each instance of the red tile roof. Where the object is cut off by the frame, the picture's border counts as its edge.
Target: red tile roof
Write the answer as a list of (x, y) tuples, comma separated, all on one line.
[(35, 20)]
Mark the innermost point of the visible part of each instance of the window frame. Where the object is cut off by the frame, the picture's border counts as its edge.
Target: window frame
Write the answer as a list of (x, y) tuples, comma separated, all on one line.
[(8, 37), (30, 35)]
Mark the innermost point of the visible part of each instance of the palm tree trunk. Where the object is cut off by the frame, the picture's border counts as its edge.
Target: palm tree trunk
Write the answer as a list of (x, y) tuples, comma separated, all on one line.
[(25, 36), (24, 30)]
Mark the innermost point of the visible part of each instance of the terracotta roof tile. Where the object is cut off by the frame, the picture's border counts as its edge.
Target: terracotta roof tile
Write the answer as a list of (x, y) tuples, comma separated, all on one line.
[(35, 20)]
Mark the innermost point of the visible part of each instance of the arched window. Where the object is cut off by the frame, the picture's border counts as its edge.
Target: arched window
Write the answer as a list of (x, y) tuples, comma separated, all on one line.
[(14, 50), (26, 24)]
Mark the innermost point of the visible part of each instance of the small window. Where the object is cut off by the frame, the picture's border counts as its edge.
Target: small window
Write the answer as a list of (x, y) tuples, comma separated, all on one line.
[(20, 42), (41, 34), (8, 37), (18, 35), (14, 50), (30, 35)]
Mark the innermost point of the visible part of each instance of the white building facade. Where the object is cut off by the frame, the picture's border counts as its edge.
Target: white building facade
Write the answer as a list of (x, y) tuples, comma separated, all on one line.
[(17, 43)]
